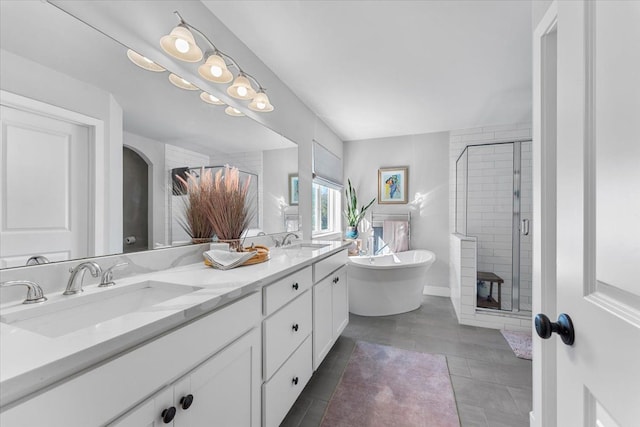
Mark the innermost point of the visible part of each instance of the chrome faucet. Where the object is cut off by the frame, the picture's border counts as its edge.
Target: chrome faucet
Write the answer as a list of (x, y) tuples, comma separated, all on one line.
[(34, 292), (107, 275), (37, 259), (285, 240), (75, 285)]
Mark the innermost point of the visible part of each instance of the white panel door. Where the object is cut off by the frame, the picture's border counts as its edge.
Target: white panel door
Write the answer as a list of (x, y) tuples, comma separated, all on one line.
[(44, 199), (598, 203)]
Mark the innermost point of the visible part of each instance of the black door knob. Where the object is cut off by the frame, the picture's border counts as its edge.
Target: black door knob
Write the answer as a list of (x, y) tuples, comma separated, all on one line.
[(168, 415), (186, 401), (295, 286), (295, 380), (295, 327), (563, 327)]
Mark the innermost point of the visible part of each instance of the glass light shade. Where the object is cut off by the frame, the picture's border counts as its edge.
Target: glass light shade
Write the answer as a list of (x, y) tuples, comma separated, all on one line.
[(260, 103), (215, 70), (210, 99), (232, 111), (143, 62), (181, 44), (181, 83), (241, 88)]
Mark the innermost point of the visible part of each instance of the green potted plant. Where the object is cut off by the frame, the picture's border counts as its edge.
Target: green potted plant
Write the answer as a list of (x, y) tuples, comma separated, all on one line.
[(352, 214)]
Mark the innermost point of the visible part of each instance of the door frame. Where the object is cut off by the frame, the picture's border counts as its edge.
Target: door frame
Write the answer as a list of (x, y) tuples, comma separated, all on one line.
[(97, 243), (544, 132)]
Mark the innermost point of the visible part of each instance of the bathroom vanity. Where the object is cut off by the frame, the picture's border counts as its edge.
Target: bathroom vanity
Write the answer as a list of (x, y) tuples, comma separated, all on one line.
[(196, 345)]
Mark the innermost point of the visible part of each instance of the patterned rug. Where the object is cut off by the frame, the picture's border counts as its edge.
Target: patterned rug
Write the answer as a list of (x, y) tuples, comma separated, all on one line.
[(386, 386), (520, 343)]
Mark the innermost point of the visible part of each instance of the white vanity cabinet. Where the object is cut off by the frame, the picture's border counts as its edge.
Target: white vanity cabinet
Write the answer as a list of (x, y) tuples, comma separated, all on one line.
[(287, 327), (225, 388), (330, 304), (216, 358)]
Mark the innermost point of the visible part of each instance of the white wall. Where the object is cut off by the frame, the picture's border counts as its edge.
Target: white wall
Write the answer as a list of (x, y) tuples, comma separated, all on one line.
[(277, 165), (32, 80), (427, 158)]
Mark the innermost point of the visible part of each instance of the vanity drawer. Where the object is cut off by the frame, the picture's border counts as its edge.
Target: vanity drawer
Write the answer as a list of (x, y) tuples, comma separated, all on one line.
[(284, 331), (281, 292), (323, 268), (281, 391)]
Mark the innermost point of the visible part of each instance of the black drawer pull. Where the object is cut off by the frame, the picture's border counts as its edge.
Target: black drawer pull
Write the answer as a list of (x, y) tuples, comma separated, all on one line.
[(186, 401), (295, 286), (168, 415), (295, 380), (295, 327)]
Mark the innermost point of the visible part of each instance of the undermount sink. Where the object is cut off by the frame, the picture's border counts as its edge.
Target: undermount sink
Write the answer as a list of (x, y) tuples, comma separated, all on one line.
[(306, 246), (89, 310)]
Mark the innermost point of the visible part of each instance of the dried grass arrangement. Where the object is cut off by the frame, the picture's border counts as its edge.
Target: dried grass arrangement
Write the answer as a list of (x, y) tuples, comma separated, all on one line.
[(195, 218), (229, 212)]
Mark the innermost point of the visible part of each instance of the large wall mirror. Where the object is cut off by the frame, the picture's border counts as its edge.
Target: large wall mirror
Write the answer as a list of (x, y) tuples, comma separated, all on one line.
[(89, 140)]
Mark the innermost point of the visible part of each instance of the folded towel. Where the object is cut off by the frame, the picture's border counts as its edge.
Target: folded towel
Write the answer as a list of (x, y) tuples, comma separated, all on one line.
[(225, 260)]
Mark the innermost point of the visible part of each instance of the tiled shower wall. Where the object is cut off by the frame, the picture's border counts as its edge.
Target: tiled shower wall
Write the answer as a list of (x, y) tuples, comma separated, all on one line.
[(458, 141)]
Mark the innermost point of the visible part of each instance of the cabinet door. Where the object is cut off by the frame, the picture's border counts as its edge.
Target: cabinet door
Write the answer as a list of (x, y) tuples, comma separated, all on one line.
[(225, 389), (322, 320), (340, 299), (149, 413)]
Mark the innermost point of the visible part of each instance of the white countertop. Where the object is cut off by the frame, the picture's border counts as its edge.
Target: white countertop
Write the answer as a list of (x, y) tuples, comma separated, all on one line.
[(30, 361)]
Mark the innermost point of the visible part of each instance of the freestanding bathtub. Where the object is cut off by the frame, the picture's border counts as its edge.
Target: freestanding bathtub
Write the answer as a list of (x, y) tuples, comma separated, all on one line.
[(387, 284)]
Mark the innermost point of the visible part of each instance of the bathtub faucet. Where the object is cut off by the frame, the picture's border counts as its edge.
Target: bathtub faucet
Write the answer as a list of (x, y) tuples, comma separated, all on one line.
[(380, 250)]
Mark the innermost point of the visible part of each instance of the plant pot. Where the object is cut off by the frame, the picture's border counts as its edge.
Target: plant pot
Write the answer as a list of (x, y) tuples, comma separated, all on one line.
[(351, 233), (198, 240), (235, 245)]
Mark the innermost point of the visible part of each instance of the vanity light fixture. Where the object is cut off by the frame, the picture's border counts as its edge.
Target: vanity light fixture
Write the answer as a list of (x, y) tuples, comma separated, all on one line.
[(210, 99), (181, 44), (260, 103), (144, 62), (241, 88), (181, 83), (232, 111), (215, 69)]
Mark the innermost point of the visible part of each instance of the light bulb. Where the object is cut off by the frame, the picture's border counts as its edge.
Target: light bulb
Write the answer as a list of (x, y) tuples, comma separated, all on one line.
[(242, 91), (261, 105), (235, 110), (147, 60), (182, 45), (185, 82), (213, 98), (216, 71)]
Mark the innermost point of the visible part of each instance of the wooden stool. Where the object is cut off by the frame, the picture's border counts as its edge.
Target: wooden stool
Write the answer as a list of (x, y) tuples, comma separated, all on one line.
[(492, 278)]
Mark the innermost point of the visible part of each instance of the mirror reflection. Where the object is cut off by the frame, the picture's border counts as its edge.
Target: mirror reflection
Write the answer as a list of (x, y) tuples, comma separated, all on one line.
[(89, 140)]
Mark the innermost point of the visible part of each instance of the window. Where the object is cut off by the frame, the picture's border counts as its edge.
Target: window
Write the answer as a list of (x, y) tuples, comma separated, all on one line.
[(325, 209)]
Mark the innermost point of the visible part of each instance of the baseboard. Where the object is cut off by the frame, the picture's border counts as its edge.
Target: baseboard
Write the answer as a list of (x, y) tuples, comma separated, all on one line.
[(437, 291)]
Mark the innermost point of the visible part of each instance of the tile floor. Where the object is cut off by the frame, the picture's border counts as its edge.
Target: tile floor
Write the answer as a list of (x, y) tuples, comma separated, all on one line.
[(492, 386)]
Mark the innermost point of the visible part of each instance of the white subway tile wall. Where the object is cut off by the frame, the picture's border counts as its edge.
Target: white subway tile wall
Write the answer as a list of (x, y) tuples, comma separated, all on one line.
[(489, 214)]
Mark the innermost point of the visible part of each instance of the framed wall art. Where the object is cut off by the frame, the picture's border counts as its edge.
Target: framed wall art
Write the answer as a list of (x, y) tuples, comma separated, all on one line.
[(293, 190), (393, 185)]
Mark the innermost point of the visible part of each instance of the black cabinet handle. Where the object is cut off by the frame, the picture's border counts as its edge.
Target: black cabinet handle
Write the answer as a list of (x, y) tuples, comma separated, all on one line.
[(168, 415), (295, 327), (337, 279), (186, 401), (295, 286), (563, 327), (295, 380)]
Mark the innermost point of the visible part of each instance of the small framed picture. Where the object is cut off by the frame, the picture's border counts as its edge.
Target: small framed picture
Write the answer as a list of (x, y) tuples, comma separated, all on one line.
[(393, 185), (293, 189)]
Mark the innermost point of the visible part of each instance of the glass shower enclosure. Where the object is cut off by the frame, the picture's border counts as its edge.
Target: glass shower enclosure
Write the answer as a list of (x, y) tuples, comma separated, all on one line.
[(494, 205)]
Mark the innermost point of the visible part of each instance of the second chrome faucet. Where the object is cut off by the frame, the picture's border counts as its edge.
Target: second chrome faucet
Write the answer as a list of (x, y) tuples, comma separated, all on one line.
[(74, 285)]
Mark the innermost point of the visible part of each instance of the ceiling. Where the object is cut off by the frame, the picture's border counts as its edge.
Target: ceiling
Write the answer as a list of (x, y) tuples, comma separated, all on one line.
[(374, 69)]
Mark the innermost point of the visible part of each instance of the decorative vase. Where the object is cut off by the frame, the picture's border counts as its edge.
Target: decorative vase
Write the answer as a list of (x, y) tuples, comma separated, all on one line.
[(235, 245), (198, 240), (351, 233)]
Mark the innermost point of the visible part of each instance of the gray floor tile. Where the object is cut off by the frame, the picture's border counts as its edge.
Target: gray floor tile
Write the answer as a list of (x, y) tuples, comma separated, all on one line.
[(491, 385)]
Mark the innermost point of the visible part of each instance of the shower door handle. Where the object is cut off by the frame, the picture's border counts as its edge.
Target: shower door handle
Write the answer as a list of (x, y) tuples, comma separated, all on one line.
[(524, 228)]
